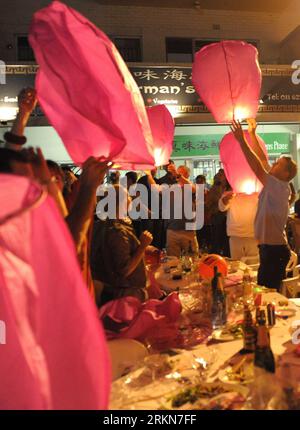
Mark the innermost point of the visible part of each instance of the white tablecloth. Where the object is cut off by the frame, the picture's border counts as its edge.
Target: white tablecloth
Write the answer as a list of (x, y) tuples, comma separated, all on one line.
[(152, 396)]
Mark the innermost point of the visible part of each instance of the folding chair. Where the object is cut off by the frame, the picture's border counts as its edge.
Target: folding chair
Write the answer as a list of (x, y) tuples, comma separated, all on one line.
[(291, 287)]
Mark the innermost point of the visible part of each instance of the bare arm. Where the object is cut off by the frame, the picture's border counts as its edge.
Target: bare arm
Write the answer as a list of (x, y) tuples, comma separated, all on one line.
[(27, 101), (251, 157), (256, 146), (43, 175), (145, 239), (81, 214), (184, 181), (151, 181)]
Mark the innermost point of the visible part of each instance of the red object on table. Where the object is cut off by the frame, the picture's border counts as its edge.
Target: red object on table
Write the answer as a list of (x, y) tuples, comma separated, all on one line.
[(207, 264), (258, 299)]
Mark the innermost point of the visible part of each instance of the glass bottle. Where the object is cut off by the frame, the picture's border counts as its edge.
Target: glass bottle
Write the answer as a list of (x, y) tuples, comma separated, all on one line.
[(249, 332), (219, 302), (264, 358)]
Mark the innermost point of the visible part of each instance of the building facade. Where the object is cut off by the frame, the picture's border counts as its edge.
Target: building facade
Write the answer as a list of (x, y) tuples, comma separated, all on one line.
[(162, 39)]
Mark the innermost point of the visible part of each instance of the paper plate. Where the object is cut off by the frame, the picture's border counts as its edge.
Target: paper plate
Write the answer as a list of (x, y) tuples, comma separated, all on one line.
[(285, 313), (225, 335), (222, 336)]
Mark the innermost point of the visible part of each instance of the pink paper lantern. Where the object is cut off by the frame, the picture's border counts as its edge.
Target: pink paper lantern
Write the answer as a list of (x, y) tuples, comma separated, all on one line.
[(87, 91), (55, 356), (237, 170), (162, 127), (227, 77)]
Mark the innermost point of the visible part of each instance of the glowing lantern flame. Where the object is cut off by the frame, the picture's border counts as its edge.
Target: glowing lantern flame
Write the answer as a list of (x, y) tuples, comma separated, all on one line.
[(248, 187), (158, 156), (241, 113)]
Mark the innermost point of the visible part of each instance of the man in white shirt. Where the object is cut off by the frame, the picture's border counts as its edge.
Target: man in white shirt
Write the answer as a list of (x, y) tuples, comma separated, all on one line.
[(273, 208), (241, 211)]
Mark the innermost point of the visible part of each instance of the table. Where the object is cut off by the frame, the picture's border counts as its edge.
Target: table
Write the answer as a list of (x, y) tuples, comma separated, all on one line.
[(152, 396), (168, 284)]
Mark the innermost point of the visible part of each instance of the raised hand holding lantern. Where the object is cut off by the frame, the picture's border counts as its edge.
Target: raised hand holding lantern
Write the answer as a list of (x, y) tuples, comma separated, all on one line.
[(162, 127), (227, 77)]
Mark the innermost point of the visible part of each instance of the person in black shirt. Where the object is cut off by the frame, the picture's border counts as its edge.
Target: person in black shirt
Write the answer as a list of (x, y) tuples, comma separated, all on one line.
[(297, 206), (155, 226)]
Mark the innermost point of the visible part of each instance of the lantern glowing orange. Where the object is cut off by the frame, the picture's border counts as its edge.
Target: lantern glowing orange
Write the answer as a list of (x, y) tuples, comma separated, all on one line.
[(237, 170), (207, 264), (162, 127), (227, 77)]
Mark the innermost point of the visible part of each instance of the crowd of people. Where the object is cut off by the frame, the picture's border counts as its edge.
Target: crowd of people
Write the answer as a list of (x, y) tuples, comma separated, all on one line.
[(111, 252)]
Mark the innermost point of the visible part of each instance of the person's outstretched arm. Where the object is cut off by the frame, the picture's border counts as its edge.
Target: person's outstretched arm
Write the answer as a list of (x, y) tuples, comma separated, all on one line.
[(151, 181), (27, 101), (43, 175), (254, 162), (132, 263), (80, 216), (252, 125)]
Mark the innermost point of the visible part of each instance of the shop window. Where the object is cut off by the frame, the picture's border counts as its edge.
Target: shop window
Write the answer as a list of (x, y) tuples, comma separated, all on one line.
[(130, 48), (182, 49), (208, 168), (24, 50), (179, 50), (200, 43)]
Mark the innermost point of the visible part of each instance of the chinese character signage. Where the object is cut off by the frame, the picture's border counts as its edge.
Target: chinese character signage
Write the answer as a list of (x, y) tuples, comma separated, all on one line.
[(172, 86), (185, 146), (208, 145)]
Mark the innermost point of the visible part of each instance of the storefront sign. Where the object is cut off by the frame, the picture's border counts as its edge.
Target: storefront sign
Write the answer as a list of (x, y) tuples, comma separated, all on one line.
[(277, 143), (280, 90), (208, 145), (16, 78), (171, 86)]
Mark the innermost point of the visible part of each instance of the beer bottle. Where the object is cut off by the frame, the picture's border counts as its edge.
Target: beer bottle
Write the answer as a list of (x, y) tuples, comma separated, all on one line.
[(249, 332), (264, 357), (223, 298), (216, 305), (247, 287)]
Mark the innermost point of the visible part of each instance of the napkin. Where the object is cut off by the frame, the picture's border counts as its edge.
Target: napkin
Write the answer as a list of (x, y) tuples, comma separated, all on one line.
[(133, 319)]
